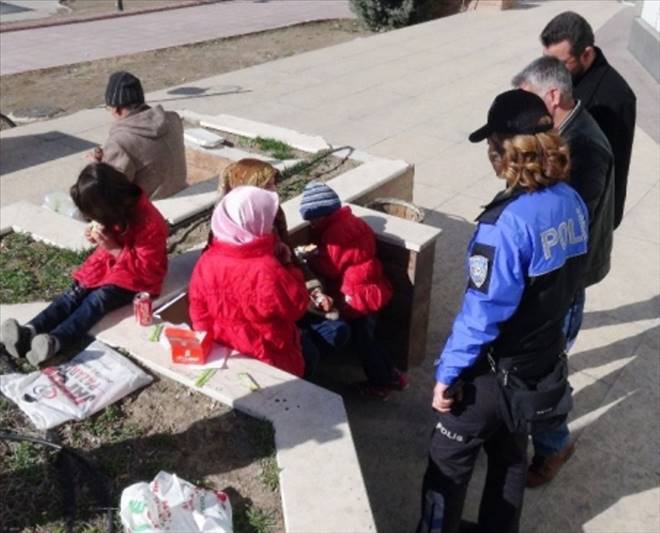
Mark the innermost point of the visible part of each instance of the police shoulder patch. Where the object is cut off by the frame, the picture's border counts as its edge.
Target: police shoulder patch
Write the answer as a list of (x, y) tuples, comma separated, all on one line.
[(480, 264)]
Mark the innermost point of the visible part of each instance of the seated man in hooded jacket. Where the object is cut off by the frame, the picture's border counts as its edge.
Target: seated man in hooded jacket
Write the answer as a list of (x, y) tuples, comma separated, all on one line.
[(145, 143)]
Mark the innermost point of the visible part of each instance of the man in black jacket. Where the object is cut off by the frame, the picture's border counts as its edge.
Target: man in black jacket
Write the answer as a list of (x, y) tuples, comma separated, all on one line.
[(592, 175), (600, 88)]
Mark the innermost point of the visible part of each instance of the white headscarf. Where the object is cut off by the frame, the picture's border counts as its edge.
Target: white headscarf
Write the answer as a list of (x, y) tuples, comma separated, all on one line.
[(244, 214)]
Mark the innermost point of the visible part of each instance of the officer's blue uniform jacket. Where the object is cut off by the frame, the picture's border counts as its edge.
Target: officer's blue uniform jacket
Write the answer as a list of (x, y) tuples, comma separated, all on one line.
[(522, 263)]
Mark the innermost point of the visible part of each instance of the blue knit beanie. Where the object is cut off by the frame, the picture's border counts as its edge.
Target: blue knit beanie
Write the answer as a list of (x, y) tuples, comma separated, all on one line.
[(318, 200)]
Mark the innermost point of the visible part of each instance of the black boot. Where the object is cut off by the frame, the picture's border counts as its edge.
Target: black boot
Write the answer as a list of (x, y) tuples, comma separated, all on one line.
[(44, 347), (16, 338)]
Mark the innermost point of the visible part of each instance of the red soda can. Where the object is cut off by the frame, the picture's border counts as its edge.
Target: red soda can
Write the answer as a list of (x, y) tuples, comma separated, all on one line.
[(142, 308)]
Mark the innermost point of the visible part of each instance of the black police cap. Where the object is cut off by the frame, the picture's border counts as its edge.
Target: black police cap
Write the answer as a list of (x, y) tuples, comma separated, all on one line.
[(514, 112)]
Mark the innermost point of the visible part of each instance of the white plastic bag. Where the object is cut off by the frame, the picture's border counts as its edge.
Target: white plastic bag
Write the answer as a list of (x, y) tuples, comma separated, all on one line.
[(92, 380), (61, 203), (172, 504)]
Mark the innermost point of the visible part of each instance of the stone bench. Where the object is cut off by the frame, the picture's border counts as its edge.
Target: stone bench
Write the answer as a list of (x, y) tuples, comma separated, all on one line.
[(321, 481)]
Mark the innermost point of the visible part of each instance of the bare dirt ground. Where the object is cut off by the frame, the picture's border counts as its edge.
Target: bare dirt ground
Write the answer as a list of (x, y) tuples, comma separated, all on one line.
[(81, 86), (162, 427), (83, 9)]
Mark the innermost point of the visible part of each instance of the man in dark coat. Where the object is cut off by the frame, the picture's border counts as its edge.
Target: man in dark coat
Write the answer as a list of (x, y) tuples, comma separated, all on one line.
[(600, 88), (592, 176)]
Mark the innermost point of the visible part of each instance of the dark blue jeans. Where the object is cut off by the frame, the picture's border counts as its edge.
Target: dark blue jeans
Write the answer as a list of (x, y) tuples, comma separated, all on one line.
[(320, 337), (375, 357), (74, 312), (548, 443)]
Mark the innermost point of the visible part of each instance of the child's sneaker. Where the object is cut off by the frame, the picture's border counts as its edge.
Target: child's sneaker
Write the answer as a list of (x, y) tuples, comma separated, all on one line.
[(378, 392), (16, 338), (44, 347), (399, 380)]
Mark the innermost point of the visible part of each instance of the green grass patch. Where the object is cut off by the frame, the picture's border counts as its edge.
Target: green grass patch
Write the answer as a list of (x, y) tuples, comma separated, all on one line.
[(270, 473), (24, 456), (31, 270), (110, 426), (251, 519), (264, 444), (278, 149)]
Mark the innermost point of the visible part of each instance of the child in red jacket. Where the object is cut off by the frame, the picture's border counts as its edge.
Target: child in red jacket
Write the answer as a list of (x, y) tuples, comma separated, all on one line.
[(346, 261), (130, 257), (242, 293)]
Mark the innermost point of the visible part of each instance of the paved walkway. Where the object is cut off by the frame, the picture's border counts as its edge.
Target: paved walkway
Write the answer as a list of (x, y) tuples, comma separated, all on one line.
[(73, 43), (415, 94), (13, 10)]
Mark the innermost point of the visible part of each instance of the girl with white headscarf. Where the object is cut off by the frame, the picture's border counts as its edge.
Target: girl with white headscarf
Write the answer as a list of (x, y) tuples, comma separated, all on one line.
[(243, 294)]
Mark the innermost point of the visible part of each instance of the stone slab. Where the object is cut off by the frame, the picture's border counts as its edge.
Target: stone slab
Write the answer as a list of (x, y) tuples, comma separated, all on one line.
[(44, 225), (252, 129), (185, 205), (201, 137), (398, 231)]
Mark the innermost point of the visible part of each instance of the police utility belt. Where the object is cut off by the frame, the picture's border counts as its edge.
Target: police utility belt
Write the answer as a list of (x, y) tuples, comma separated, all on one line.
[(536, 395)]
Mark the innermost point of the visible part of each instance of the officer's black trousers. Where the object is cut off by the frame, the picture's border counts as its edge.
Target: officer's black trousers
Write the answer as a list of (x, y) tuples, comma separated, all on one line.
[(474, 422)]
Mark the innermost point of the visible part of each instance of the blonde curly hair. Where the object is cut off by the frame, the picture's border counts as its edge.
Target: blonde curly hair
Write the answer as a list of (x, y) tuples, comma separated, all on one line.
[(248, 171), (530, 162)]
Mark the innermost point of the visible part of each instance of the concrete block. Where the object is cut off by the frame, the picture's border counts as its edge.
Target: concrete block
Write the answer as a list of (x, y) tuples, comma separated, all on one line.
[(359, 185), (202, 137), (177, 209), (44, 225), (397, 231), (252, 129)]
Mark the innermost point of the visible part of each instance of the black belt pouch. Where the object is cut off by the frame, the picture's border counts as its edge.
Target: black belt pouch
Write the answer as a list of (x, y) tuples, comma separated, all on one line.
[(532, 405)]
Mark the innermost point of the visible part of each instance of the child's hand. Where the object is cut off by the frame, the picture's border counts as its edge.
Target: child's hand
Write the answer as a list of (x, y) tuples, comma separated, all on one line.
[(105, 240), (326, 303), (306, 251), (89, 235), (96, 156), (321, 300)]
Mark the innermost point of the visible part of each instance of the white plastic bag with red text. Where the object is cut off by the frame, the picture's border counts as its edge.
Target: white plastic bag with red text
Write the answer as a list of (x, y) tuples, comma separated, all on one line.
[(172, 504), (92, 380)]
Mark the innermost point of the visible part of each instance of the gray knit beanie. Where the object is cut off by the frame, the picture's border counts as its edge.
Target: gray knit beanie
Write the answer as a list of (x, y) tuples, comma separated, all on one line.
[(318, 200), (123, 90)]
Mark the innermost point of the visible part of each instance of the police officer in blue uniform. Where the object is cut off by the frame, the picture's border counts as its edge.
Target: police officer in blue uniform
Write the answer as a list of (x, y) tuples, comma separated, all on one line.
[(503, 370)]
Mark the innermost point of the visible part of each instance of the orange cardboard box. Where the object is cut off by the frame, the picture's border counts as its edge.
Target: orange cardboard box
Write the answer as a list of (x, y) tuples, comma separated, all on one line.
[(187, 346)]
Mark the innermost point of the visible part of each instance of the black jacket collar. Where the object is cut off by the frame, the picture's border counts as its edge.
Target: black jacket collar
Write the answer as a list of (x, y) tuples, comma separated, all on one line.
[(493, 210), (586, 85)]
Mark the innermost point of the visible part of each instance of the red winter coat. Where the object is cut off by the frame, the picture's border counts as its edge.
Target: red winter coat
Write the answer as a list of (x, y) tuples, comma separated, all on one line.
[(142, 263), (250, 302), (347, 260)]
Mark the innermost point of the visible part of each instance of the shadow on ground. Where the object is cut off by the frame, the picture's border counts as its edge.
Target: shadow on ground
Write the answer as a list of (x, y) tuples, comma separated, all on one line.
[(31, 150), (392, 437)]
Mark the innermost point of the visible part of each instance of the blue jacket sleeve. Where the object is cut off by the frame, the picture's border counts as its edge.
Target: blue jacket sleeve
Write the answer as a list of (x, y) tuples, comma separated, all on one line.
[(498, 257)]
